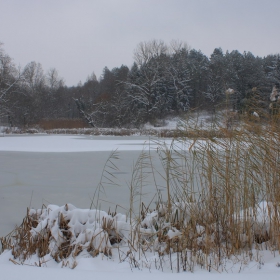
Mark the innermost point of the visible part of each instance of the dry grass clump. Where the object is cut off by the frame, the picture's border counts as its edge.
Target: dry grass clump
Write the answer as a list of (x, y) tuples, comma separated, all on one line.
[(161, 133), (64, 232), (223, 198), (22, 243), (96, 131)]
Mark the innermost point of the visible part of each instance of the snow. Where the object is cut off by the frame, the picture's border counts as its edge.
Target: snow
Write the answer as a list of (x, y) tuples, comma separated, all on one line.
[(168, 124), (101, 270), (256, 114), (193, 120), (70, 143), (89, 222), (230, 91), (87, 225), (65, 143), (274, 96)]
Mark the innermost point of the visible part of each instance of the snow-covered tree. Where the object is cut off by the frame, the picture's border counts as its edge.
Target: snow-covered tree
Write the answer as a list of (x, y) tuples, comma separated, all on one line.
[(177, 73), (146, 79), (274, 73), (198, 67)]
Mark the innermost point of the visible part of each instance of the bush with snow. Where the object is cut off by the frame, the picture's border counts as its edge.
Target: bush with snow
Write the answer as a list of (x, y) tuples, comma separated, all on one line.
[(62, 233)]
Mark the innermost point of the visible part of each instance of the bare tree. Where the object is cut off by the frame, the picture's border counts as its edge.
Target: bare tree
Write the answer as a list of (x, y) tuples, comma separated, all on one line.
[(176, 46), (145, 51), (34, 77), (53, 81), (10, 78)]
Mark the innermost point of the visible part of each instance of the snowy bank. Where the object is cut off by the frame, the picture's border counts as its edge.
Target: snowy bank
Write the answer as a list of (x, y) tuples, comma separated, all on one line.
[(66, 236)]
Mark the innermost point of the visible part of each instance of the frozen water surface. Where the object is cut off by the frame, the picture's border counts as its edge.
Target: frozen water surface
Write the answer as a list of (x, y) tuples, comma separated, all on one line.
[(36, 170)]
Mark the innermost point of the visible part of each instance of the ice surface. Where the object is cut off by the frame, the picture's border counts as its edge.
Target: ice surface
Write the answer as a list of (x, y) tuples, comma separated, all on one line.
[(64, 143)]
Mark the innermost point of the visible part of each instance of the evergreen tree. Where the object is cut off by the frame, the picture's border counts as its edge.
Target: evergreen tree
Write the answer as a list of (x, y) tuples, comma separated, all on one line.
[(198, 67), (178, 77)]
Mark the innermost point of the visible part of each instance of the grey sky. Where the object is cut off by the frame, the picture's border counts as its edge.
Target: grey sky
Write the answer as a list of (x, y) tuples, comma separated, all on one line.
[(78, 37)]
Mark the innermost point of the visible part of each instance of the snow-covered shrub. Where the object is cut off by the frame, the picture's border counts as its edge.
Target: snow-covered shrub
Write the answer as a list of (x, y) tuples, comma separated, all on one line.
[(66, 230)]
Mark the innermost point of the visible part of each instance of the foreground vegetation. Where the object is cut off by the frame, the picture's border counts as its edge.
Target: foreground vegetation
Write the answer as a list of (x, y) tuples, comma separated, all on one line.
[(220, 205)]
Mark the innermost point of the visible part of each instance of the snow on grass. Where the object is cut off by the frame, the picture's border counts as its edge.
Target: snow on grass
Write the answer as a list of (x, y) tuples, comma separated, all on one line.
[(89, 235)]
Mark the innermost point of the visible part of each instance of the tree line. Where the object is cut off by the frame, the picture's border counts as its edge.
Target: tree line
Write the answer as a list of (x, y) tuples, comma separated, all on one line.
[(165, 79)]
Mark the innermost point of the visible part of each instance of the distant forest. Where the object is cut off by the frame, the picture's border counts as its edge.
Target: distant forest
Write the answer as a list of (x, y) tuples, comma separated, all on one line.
[(164, 80)]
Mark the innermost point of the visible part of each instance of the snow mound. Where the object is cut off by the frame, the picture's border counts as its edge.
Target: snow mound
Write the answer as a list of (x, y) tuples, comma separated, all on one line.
[(180, 233), (62, 231)]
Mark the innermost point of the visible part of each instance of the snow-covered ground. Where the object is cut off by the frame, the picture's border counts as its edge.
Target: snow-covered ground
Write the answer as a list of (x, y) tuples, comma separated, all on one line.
[(77, 143), (200, 119), (2, 128), (85, 222), (264, 264), (98, 268), (267, 264)]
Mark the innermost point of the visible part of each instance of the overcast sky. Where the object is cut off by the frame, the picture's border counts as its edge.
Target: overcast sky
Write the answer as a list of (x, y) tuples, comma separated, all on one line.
[(78, 37)]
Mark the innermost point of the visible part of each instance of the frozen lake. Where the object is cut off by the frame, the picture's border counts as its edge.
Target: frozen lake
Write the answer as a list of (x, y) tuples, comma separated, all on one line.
[(44, 169)]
